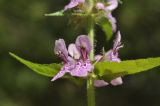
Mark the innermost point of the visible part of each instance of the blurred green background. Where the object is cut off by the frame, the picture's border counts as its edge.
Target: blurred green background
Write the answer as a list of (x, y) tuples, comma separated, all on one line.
[(25, 30)]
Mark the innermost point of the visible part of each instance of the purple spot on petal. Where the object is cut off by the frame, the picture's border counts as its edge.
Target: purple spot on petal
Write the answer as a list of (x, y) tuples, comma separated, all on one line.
[(81, 69)]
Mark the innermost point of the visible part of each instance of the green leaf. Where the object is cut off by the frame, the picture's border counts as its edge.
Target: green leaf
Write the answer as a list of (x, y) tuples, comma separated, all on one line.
[(63, 13), (106, 27), (44, 69), (58, 13), (111, 70)]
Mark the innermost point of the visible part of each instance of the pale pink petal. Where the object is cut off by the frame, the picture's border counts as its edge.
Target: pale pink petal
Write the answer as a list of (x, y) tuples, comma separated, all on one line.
[(98, 57), (117, 81), (73, 51), (100, 83), (112, 4)]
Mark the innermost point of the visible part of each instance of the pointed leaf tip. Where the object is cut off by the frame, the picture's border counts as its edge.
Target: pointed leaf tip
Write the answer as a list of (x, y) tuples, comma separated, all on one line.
[(111, 70), (48, 70), (58, 13)]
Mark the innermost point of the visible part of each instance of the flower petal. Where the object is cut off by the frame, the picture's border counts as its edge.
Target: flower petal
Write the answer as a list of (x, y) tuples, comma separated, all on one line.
[(98, 57), (66, 68), (59, 75), (112, 56), (73, 3), (83, 45), (81, 69), (113, 21), (100, 83), (113, 4), (73, 51), (117, 81), (60, 49), (117, 41)]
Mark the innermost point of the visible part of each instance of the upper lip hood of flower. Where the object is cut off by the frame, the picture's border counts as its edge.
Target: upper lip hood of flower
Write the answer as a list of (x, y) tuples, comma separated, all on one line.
[(83, 45)]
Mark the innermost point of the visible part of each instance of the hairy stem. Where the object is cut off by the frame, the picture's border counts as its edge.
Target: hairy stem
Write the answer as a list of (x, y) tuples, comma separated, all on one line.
[(90, 80)]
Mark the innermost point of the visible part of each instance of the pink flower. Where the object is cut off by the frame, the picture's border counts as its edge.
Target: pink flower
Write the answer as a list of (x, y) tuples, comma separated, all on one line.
[(73, 3), (111, 55), (75, 59)]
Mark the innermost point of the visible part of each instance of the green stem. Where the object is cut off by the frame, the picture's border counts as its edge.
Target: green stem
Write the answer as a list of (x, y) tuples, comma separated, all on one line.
[(90, 5), (90, 92), (90, 80), (91, 36)]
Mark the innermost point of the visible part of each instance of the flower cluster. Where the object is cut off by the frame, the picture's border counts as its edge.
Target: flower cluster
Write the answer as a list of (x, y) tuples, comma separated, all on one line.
[(76, 58), (107, 7)]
